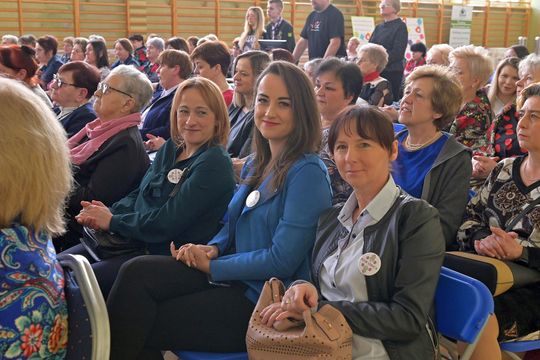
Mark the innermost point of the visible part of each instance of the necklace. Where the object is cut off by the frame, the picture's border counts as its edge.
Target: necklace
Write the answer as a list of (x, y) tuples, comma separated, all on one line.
[(527, 177), (414, 147)]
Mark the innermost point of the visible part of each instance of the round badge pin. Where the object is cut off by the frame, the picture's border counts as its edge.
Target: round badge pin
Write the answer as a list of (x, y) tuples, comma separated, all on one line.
[(253, 198), (369, 264), (174, 175)]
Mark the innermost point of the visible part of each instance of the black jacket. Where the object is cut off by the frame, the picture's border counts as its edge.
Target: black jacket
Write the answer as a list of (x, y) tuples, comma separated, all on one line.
[(410, 243), (284, 31)]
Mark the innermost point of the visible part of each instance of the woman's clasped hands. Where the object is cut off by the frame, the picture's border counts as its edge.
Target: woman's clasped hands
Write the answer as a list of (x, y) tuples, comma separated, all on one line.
[(195, 256), (500, 244), (295, 301), (95, 215)]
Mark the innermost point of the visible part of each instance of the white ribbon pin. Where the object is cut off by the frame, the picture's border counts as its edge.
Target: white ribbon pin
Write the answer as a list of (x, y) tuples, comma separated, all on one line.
[(369, 264), (253, 198), (175, 175)]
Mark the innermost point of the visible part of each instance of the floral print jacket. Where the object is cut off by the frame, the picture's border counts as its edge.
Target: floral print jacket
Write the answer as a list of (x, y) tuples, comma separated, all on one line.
[(472, 123), (33, 320)]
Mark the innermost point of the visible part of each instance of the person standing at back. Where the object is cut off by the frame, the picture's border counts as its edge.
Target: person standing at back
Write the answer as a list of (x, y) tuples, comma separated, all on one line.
[(392, 34), (279, 28), (323, 33)]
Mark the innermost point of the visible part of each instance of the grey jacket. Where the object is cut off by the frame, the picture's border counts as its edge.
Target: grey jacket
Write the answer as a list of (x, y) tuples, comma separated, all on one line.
[(446, 187), (410, 243)]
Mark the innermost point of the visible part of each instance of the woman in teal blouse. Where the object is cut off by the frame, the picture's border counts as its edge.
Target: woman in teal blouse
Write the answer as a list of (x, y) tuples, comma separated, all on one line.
[(159, 212)]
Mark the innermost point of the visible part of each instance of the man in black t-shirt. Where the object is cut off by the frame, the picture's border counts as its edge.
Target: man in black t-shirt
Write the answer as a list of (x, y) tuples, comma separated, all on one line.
[(279, 28), (323, 33)]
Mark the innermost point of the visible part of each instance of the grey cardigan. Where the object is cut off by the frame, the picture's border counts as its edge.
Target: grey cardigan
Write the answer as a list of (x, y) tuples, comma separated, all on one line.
[(410, 243), (446, 187)]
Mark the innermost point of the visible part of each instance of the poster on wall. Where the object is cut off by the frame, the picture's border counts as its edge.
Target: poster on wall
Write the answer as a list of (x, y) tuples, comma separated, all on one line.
[(460, 31), (362, 28), (415, 27)]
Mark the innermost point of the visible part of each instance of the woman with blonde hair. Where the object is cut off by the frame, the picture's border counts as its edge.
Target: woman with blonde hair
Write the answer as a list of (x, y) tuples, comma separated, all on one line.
[(35, 179), (438, 54), (473, 67), (253, 29)]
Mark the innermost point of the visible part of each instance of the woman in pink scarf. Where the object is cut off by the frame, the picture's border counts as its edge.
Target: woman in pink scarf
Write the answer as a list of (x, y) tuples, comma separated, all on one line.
[(108, 153)]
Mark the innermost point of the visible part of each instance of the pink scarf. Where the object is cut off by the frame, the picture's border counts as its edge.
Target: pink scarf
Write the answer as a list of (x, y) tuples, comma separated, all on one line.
[(97, 133)]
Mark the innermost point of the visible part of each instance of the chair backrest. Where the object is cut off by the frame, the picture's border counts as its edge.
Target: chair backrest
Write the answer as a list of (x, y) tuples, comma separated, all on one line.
[(88, 332), (462, 306)]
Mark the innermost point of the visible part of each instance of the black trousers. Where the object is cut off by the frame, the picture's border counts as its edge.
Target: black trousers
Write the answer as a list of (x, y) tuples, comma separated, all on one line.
[(105, 270), (395, 78), (158, 303)]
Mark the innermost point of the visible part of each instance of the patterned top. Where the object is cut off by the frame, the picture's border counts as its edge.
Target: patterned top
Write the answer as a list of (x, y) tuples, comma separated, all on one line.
[(140, 56), (340, 188), (502, 197), (503, 134), (33, 324), (472, 124), (413, 64)]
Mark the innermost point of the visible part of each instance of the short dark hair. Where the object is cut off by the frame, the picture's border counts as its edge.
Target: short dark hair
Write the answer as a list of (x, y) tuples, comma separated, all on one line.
[(136, 37), (28, 40), (282, 54), (48, 43), (172, 58), (213, 52), (419, 47), (520, 50), (177, 43), (279, 2), (84, 76), (370, 122), (100, 49), (348, 73), (193, 40)]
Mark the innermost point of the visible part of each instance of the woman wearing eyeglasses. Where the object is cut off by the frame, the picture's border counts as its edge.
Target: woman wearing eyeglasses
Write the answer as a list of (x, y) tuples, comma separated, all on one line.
[(108, 153), (71, 89), (502, 221), (18, 62)]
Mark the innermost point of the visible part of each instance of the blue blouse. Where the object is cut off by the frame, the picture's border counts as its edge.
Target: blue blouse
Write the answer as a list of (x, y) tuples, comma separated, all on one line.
[(274, 237), (411, 167), (33, 320)]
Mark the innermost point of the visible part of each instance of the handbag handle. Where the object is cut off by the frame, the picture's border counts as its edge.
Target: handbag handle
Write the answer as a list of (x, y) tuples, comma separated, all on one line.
[(522, 214)]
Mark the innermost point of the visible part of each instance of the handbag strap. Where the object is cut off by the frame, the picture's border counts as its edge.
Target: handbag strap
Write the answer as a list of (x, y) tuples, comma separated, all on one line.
[(277, 288), (177, 186), (522, 214)]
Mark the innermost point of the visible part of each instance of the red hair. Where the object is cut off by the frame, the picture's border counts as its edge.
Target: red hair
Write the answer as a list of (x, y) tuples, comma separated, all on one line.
[(20, 57)]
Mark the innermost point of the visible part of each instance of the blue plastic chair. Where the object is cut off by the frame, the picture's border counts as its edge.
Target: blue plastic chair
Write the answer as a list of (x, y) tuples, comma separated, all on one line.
[(194, 355), (519, 346), (462, 305)]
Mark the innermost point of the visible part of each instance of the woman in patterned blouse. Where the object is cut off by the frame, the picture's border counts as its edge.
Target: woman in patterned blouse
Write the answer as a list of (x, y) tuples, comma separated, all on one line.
[(490, 230), (473, 68), (35, 179)]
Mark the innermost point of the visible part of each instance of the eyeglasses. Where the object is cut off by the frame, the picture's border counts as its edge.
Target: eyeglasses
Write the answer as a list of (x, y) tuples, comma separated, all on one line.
[(59, 82), (104, 88)]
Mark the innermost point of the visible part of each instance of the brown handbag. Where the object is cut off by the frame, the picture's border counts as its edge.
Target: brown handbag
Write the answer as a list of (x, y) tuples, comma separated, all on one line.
[(324, 334)]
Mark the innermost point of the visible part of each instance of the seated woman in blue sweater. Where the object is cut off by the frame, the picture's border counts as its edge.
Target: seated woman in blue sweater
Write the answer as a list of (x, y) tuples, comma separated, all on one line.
[(431, 165), (159, 211), (160, 303)]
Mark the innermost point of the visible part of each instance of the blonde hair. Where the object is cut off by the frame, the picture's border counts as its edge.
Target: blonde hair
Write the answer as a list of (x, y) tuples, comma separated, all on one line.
[(35, 167), (480, 64), (214, 100), (446, 96), (493, 91), (259, 28), (444, 50)]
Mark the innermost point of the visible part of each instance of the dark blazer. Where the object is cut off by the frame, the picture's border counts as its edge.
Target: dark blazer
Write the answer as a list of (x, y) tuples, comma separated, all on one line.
[(77, 119), (157, 121), (241, 133), (284, 31), (129, 61), (112, 172)]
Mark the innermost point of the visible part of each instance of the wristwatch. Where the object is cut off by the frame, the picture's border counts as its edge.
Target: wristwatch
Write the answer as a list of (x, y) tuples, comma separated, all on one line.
[(524, 258)]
